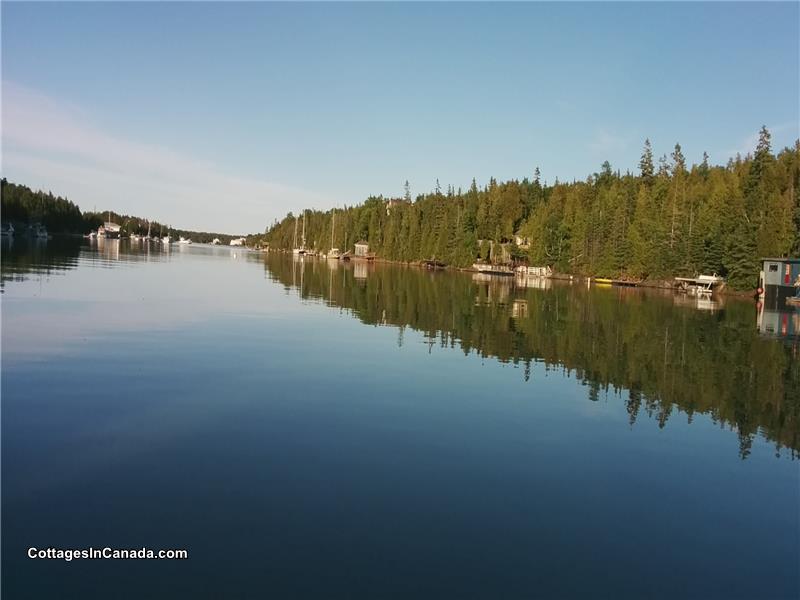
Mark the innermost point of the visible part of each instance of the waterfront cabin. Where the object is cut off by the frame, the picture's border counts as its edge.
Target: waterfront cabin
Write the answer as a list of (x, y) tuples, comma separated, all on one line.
[(777, 279), (362, 249)]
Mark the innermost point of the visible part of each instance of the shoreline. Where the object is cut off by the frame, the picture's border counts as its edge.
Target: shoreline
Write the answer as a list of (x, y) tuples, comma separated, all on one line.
[(660, 284)]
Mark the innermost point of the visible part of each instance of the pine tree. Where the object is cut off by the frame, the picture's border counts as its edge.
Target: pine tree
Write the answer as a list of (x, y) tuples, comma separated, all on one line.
[(703, 168), (646, 163)]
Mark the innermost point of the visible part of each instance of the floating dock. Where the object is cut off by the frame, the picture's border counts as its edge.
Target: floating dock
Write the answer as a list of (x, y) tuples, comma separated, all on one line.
[(488, 269)]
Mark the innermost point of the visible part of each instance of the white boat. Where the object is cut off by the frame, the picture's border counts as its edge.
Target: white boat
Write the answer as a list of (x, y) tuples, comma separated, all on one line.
[(299, 250), (702, 284), (135, 237), (237, 241), (166, 239), (333, 253), (183, 240), (216, 242)]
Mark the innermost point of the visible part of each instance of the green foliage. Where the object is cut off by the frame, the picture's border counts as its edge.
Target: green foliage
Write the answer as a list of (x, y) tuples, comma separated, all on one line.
[(23, 206), (667, 221)]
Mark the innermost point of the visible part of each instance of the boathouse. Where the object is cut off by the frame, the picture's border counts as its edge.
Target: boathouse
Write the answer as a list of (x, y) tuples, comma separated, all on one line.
[(777, 280), (362, 249)]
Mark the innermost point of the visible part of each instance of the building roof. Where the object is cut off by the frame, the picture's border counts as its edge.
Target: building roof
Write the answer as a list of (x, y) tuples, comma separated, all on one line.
[(783, 259)]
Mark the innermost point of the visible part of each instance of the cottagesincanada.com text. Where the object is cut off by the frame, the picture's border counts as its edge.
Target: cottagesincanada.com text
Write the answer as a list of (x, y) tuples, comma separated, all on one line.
[(70, 554)]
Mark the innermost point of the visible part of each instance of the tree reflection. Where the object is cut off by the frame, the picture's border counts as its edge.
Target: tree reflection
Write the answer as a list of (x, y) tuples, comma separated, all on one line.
[(667, 357)]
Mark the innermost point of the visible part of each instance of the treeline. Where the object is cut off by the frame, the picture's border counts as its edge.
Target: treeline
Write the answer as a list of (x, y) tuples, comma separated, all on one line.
[(669, 219), (662, 359), (22, 206)]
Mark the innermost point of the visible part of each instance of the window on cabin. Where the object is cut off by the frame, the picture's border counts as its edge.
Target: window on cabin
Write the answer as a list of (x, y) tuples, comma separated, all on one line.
[(773, 268)]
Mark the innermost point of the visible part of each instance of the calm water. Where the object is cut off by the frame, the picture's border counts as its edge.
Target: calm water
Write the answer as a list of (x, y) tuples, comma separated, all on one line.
[(354, 431)]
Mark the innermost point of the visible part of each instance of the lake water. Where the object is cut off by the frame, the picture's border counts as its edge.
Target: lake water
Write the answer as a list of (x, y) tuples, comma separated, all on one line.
[(317, 430)]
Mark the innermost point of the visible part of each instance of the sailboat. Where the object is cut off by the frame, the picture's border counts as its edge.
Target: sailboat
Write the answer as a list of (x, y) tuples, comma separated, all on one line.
[(334, 253), (297, 251)]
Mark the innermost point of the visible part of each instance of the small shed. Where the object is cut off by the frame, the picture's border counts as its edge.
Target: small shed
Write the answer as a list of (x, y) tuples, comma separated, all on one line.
[(777, 280), (362, 248)]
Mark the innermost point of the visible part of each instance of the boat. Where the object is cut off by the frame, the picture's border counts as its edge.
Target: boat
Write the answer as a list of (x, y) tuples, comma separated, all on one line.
[(91, 235), (603, 281), (110, 230), (7, 230), (183, 240), (299, 250), (433, 264), (333, 253), (237, 241), (135, 237), (702, 284), (216, 242)]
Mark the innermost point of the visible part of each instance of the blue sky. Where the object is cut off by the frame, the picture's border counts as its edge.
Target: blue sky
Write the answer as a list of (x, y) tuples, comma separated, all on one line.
[(225, 116)]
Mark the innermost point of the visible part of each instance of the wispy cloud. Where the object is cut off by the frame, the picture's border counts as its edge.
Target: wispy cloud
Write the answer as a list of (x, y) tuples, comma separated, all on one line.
[(747, 145), (57, 146), (605, 143)]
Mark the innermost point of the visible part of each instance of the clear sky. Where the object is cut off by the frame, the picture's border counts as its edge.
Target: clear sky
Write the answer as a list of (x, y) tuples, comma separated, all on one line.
[(226, 116)]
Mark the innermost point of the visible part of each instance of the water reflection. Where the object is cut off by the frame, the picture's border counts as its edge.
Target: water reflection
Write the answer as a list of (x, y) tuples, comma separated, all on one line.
[(22, 258), (784, 324), (662, 354)]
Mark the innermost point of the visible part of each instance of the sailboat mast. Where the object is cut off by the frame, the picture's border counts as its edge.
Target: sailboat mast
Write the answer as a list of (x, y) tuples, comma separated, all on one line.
[(333, 223), (304, 229)]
